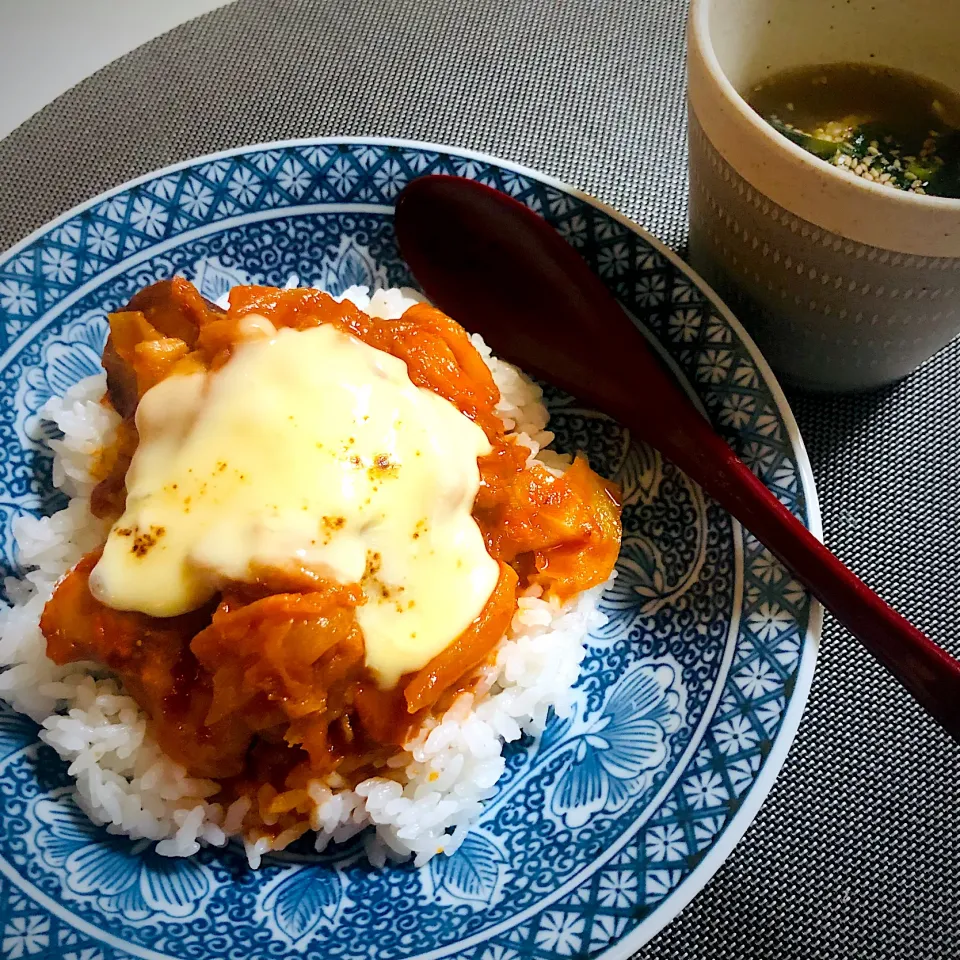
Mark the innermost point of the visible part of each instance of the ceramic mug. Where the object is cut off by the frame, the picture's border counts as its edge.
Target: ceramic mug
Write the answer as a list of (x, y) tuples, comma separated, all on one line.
[(845, 284)]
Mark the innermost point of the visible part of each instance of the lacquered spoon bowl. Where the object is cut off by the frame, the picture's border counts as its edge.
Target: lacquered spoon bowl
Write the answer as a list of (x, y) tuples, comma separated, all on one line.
[(505, 273)]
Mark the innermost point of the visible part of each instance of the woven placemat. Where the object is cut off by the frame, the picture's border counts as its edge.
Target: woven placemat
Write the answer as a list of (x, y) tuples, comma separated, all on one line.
[(856, 854)]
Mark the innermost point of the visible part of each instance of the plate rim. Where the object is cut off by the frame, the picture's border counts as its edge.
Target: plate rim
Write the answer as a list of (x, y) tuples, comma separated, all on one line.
[(730, 836)]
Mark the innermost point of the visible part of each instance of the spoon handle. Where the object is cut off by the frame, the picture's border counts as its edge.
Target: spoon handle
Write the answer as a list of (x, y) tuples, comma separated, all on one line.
[(929, 673), (505, 273)]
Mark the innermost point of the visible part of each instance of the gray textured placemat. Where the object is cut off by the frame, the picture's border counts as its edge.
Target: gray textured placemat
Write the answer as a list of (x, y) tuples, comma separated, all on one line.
[(857, 851)]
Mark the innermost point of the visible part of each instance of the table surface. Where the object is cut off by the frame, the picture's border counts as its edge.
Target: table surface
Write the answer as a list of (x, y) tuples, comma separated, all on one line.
[(47, 46), (856, 853)]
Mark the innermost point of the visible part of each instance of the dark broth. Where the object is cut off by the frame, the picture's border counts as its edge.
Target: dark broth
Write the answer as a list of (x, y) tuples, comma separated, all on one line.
[(881, 123)]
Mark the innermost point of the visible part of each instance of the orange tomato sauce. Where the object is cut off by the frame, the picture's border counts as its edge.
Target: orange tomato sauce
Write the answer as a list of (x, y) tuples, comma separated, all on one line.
[(265, 689)]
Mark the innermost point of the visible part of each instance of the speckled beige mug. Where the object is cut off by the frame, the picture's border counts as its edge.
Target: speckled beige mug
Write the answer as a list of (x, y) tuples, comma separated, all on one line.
[(845, 284)]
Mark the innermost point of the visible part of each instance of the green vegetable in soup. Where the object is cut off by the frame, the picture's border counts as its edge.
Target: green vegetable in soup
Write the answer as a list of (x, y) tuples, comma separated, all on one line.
[(886, 126), (824, 149)]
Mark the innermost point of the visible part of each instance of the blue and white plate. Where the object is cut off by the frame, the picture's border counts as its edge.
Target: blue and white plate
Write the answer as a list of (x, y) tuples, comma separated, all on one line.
[(689, 696)]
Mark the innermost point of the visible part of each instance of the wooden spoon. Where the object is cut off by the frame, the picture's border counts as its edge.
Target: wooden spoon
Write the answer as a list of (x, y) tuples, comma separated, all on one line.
[(505, 273)]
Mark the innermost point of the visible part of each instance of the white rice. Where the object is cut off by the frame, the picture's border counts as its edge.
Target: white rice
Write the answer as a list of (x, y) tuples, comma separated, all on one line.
[(123, 779)]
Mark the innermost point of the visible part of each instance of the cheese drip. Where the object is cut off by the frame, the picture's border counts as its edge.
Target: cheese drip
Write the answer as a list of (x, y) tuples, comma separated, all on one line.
[(308, 449)]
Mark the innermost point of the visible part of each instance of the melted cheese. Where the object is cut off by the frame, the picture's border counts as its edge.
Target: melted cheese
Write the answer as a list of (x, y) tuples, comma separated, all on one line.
[(308, 449)]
